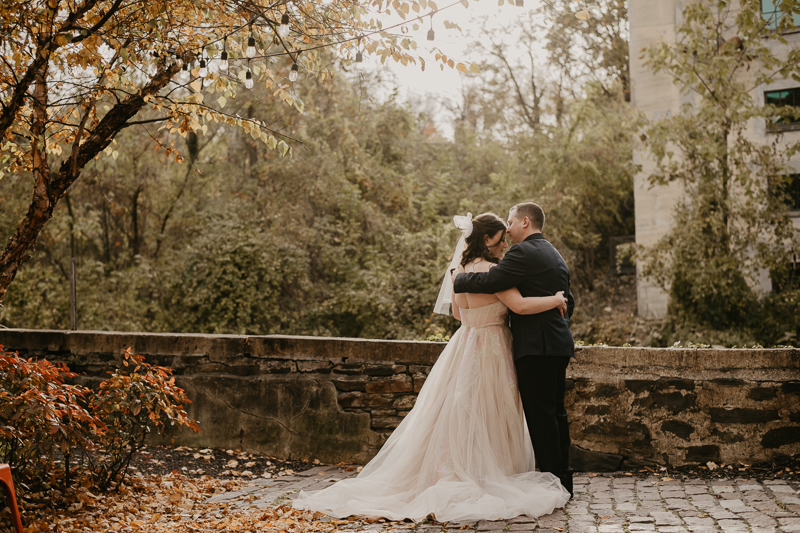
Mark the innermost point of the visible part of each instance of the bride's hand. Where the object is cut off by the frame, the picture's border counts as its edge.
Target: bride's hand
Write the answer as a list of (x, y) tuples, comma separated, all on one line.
[(562, 303)]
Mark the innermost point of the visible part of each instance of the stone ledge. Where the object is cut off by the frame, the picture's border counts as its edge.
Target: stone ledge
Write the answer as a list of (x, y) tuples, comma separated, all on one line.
[(339, 399)]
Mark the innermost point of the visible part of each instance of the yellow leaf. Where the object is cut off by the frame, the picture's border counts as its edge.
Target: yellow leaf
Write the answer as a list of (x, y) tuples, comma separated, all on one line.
[(461, 67), (582, 14), (465, 3), (196, 85), (475, 68), (222, 101)]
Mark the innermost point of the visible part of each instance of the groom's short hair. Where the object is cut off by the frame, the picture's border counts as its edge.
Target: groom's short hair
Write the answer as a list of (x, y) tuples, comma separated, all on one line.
[(531, 210)]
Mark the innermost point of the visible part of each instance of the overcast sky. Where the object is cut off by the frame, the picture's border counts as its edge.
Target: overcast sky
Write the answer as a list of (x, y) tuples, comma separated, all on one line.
[(433, 83)]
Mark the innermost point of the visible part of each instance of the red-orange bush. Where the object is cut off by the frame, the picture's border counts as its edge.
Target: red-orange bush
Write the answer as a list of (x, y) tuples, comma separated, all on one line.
[(131, 405), (42, 418)]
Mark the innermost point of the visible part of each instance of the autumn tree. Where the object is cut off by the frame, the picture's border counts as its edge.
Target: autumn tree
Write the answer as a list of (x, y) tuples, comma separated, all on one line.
[(74, 73)]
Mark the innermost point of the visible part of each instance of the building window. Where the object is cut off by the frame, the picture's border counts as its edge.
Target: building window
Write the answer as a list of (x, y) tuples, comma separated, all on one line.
[(784, 98), (771, 9), (788, 191)]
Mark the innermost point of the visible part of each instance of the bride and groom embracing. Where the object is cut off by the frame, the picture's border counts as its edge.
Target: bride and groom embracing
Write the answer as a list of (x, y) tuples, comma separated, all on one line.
[(488, 437)]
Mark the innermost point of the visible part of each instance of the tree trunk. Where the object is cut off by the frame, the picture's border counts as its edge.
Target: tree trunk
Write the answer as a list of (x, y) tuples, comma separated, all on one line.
[(49, 189)]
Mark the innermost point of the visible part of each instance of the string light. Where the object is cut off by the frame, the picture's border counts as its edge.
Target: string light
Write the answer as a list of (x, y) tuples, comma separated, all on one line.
[(179, 60), (431, 33), (283, 30), (359, 57), (203, 71), (293, 73), (248, 77), (223, 64), (251, 46)]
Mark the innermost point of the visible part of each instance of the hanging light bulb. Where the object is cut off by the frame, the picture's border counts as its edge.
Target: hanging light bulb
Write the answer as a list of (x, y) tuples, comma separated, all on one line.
[(520, 3), (248, 79), (179, 60), (431, 34), (283, 30), (223, 63), (359, 57), (293, 73), (251, 47), (203, 71)]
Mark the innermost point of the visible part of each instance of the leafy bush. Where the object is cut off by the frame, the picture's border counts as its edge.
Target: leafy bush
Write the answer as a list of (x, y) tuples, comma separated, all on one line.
[(131, 405), (42, 419), (40, 415)]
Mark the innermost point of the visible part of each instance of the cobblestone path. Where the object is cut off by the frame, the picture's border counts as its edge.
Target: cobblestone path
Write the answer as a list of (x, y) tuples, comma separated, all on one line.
[(604, 503)]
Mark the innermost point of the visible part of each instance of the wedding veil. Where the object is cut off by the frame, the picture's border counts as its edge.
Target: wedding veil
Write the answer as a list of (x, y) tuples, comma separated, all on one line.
[(444, 300)]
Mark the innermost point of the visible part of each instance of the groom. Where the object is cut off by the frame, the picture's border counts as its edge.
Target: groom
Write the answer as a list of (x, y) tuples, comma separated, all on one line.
[(543, 343)]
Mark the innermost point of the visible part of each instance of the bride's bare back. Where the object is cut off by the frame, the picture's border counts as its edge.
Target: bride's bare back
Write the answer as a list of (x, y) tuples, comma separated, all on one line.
[(469, 300)]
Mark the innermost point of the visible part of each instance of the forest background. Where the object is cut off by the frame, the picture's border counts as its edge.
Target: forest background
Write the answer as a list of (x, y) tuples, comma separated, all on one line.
[(350, 235)]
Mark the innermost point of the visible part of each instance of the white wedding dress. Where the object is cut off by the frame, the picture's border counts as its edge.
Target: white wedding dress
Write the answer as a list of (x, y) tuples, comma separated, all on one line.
[(463, 452)]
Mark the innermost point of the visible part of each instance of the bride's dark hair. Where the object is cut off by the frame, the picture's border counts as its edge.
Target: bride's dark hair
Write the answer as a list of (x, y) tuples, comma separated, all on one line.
[(485, 224)]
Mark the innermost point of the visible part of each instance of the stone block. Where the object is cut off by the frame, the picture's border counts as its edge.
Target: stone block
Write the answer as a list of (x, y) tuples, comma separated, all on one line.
[(583, 460), (405, 402), (703, 454), (678, 428), (727, 437), (762, 394), (379, 370), (399, 383), (382, 413), (638, 386), (387, 422), (276, 367), (418, 383), (791, 387), (721, 415), (378, 400), (728, 382), (316, 367), (597, 410), (350, 383), (419, 369), (351, 399), (674, 402), (349, 369), (605, 390), (775, 438), (674, 383)]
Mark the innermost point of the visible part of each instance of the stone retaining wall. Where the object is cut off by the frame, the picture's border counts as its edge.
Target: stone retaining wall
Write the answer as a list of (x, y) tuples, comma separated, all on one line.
[(339, 399)]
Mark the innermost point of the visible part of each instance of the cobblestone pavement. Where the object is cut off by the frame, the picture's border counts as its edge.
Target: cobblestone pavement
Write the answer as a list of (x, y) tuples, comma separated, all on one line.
[(604, 503)]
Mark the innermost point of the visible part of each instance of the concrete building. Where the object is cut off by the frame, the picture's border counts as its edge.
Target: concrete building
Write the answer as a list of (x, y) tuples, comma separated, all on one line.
[(657, 96)]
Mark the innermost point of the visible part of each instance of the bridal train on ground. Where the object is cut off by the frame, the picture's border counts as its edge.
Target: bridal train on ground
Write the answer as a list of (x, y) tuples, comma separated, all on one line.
[(463, 452)]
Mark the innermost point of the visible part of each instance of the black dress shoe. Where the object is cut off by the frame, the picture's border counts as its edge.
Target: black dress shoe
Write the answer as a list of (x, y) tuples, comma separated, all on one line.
[(566, 481)]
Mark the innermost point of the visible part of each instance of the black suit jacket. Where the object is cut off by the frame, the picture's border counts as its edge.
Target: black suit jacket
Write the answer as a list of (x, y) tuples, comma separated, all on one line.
[(535, 268)]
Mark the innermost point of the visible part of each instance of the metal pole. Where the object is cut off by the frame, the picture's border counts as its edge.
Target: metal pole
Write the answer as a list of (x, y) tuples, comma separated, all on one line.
[(73, 295)]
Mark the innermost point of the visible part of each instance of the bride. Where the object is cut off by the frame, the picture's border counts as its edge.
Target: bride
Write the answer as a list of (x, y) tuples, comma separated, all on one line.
[(463, 452)]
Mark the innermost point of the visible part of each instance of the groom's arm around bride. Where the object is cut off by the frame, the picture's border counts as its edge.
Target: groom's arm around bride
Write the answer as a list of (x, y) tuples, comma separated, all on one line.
[(543, 342)]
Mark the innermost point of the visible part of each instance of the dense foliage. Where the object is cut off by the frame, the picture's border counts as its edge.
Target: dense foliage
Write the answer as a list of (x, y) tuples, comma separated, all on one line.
[(348, 237)]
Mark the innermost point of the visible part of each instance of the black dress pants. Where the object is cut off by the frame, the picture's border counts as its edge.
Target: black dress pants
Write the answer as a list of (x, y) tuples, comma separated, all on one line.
[(541, 386)]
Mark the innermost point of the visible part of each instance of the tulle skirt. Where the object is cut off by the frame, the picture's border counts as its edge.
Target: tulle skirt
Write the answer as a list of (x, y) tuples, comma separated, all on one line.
[(462, 453)]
